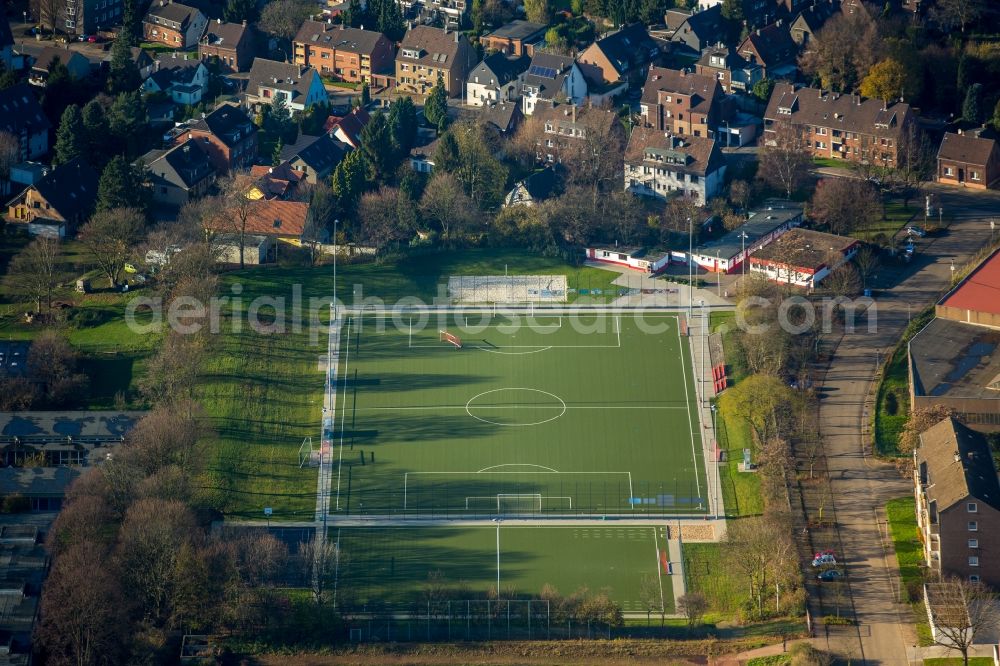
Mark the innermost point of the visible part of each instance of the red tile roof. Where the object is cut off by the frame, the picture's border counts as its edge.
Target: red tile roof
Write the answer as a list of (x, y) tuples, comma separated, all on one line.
[(980, 291), (285, 219)]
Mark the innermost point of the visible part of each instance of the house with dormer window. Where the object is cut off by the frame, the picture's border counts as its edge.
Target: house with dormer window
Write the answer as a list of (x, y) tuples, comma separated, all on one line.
[(184, 79), (427, 52), (227, 135), (58, 203), (495, 79), (835, 125), (681, 102), (300, 87), (173, 24), (661, 164), (552, 78)]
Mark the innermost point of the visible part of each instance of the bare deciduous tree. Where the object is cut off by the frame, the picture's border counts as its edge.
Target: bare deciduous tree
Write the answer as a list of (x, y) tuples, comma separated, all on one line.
[(845, 204), (237, 205), (52, 363), (919, 420), (962, 612), (445, 203), (49, 13), (151, 535), (785, 160), (761, 549), (171, 373), (867, 261), (319, 564), (111, 236), (35, 272), (692, 606), (382, 225), (84, 618)]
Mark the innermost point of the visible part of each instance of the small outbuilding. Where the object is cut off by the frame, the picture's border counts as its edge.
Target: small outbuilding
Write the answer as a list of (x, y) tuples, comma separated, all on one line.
[(639, 258)]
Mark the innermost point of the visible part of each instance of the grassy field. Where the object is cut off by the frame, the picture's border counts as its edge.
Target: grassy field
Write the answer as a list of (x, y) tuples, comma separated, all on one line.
[(708, 572), (957, 661), (832, 162), (521, 419), (896, 217), (423, 276), (906, 540), (261, 395), (399, 565), (892, 400)]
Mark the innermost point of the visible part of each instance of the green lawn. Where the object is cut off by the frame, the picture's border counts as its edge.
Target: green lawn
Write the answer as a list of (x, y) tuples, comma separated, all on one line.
[(832, 162), (261, 395), (523, 418), (395, 565), (896, 217), (892, 399), (957, 661), (423, 276), (708, 572), (906, 539)]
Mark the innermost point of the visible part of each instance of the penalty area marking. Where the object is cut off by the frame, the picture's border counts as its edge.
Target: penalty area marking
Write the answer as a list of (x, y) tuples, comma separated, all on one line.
[(548, 469), (406, 479), (687, 400)]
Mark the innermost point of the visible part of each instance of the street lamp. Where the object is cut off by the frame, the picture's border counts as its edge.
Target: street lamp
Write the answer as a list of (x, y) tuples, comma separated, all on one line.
[(743, 253), (336, 251), (690, 272), (718, 273), (718, 478), (498, 521)]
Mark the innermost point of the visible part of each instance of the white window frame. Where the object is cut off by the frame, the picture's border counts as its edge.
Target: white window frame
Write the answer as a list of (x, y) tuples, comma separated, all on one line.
[(973, 526), (973, 560), (973, 543), (972, 507)]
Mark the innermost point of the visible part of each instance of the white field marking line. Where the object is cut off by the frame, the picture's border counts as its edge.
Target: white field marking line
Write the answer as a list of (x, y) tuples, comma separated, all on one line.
[(410, 338), (343, 411), (618, 327), (515, 406), (517, 465), (529, 346), (659, 573), (507, 353), (687, 401), (406, 479)]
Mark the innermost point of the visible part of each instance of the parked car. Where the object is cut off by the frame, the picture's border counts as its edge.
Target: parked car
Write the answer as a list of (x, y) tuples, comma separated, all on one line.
[(82, 38), (914, 230), (825, 557), (830, 575)]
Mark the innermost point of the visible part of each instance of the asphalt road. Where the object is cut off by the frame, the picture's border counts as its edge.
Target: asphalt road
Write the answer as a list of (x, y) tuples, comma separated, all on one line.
[(861, 486)]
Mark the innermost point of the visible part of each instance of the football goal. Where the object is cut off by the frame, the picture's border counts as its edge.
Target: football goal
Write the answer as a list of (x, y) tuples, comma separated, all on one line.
[(516, 502), (451, 338)]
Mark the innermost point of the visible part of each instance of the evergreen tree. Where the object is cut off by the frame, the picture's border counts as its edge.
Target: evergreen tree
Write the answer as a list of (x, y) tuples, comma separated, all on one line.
[(972, 107), (388, 19), (762, 89), (732, 10), (276, 153), (95, 124), (8, 77), (120, 186), (240, 10), (131, 19), (436, 106), (71, 138), (403, 122), (376, 146), (996, 117), (60, 91), (447, 157), (348, 179), (354, 15), (128, 121), (366, 94), (123, 74)]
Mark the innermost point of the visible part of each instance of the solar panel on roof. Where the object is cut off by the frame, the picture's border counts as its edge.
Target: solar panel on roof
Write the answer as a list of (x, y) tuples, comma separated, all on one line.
[(546, 72)]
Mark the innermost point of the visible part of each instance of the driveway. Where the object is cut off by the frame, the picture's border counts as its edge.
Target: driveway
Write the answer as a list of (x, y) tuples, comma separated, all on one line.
[(861, 485)]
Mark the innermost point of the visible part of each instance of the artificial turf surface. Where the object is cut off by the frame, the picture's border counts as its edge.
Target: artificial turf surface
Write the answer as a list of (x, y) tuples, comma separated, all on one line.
[(588, 416), (399, 565)]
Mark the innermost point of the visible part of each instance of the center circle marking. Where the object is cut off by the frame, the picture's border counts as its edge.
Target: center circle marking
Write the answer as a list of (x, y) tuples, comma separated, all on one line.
[(561, 406)]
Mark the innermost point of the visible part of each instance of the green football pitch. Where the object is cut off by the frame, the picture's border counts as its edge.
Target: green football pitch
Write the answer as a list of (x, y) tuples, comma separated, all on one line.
[(568, 414), (396, 565)]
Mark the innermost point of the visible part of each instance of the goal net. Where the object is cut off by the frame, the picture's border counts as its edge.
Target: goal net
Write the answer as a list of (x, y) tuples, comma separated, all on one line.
[(517, 502), (308, 456), (451, 338)]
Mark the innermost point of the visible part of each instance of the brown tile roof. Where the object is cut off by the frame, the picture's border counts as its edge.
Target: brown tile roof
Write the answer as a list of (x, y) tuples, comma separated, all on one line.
[(804, 248), (437, 48), (772, 43), (173, 12), (959, 465), (352, 124), (277, 181), (679, 81), (270, 218), (701, 153), (966, 148), (354, 40), (852, 113), (586, 116), (224, 35)]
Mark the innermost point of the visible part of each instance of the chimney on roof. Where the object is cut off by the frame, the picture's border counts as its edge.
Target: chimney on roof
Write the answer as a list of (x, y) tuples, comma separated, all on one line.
[(244, 23), (219, 21), (958, 458), (960, 131), (758, 32), (456, 37)]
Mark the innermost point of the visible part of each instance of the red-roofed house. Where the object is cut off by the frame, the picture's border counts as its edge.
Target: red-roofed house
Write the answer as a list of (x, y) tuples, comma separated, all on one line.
[(348, 129), (282, 220), (275, 182), (976, 299), (970, 160)]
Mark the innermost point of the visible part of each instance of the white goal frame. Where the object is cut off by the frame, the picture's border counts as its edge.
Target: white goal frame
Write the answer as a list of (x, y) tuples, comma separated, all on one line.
[(500, 497)]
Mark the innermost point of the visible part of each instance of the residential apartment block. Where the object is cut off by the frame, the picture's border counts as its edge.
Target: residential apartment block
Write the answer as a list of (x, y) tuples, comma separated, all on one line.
[(348, 54), (229, 44), (958, 502), (88, 16), (659, 164), (840, 126), (227, 135), (173, 24), (681, 102), (426, 52)]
